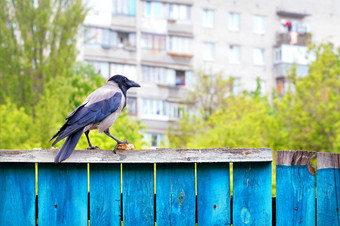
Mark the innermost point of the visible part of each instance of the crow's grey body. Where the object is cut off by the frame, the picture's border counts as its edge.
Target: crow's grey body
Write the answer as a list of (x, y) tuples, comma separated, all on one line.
[(104, 92), (99, 111)]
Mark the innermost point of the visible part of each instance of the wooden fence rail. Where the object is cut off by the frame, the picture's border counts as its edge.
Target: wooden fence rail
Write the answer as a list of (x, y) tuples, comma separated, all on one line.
[(184, 187)]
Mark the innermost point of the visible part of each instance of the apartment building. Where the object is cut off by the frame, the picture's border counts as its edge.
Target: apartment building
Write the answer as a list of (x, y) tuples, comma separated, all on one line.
[(161, 43)]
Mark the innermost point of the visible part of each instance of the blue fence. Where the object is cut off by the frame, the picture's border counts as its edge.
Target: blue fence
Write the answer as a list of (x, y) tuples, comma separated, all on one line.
[(181, 192)]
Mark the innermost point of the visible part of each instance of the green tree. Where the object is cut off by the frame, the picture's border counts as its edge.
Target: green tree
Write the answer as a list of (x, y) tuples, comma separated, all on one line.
[(38, 48), (307, 117), (209, 92), (309, 114)]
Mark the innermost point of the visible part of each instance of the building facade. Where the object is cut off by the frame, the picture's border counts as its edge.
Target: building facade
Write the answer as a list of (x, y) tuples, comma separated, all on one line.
[(162, 43)]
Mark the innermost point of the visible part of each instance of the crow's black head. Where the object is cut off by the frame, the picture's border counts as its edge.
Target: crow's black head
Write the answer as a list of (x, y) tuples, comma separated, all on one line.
[(123, 82)]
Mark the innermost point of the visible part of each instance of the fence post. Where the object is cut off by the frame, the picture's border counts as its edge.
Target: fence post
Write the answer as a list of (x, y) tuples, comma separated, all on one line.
[(138, 198), (105, 194), (175, 189), (252, 193), (62, 191), (328, 189), (17, 194), (213, 194), (295, 188)]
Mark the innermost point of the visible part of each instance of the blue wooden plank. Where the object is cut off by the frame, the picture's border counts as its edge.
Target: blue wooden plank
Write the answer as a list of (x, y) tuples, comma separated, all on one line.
[(328, 196), (213, 194), (105, 194), (295, 195), (17, 194), (138, 195), (175, 190), (252, 193), (62, 191)]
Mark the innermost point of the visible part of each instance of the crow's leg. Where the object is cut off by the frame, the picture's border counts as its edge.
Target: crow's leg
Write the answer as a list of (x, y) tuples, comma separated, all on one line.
[(107, 132), (90, 147)]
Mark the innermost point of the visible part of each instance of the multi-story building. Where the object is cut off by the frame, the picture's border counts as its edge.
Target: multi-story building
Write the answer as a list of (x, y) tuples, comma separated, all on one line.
[(160, 44)]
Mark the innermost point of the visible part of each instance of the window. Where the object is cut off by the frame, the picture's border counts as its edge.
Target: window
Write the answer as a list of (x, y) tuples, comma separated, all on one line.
[(154, 107), (208, 51), (174, 110), (125, 39), (124, 7), (93, 36), (158, 75), (234, 54), (258, 55), (179, 44), (208, 18), (153, 42), (258, 25), (153, 139), (180, 78), (166, 76), (236, 86), (277, 55), (101, 68), (179, 12), (263, 86), (107, 38), (123, 69), (106, 42), (161, 109), (234, 21), (153, 9), (131, 103)]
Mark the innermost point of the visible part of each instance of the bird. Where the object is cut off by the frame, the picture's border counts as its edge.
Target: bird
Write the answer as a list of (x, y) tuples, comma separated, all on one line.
[(99, 111)]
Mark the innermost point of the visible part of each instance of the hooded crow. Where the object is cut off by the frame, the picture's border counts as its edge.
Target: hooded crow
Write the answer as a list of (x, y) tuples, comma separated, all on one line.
[(99, 111)]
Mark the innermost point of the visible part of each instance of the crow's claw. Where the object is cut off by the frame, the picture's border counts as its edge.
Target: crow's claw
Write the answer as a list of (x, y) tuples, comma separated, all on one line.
[(92, 148)]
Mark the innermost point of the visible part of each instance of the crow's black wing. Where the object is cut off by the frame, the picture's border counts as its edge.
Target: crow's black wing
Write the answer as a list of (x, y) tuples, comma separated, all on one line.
[(86, 115)]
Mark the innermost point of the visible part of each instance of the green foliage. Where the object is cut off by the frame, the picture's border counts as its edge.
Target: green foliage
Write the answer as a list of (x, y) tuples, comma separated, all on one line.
[(38, 46), (40, 82), (307, 117), (208, 95), (15, 127)]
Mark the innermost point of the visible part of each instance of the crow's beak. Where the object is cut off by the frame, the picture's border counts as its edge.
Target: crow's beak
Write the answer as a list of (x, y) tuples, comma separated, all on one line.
[(133, 84)]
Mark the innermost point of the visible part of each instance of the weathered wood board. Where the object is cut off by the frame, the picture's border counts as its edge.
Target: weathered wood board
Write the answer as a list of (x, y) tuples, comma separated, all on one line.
[(252, 188), (17, 194), (213, 194), (138, 195), (143, 156), (328, 189), (175, 189), (295, 188), (62, 190), (105, 194)]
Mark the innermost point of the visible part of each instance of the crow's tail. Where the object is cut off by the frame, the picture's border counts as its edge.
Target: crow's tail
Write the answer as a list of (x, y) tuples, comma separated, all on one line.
[(68, 146)]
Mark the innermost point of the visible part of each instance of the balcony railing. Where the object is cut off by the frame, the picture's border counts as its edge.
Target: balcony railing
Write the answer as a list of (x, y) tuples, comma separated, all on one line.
[(286, 38)]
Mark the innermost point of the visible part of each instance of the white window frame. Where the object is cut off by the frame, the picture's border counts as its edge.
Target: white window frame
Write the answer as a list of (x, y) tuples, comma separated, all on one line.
[(155, 12), (259, 53), (233, 58), (259, 24), (205, 48), (206, 21), (232, 24), (179, 12)]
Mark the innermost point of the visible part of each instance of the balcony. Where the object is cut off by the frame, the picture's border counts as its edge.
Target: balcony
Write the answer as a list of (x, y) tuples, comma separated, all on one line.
[(97, 52), (286, 38), (127, 23), (282, 69), (180, 28), (164, 59)]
